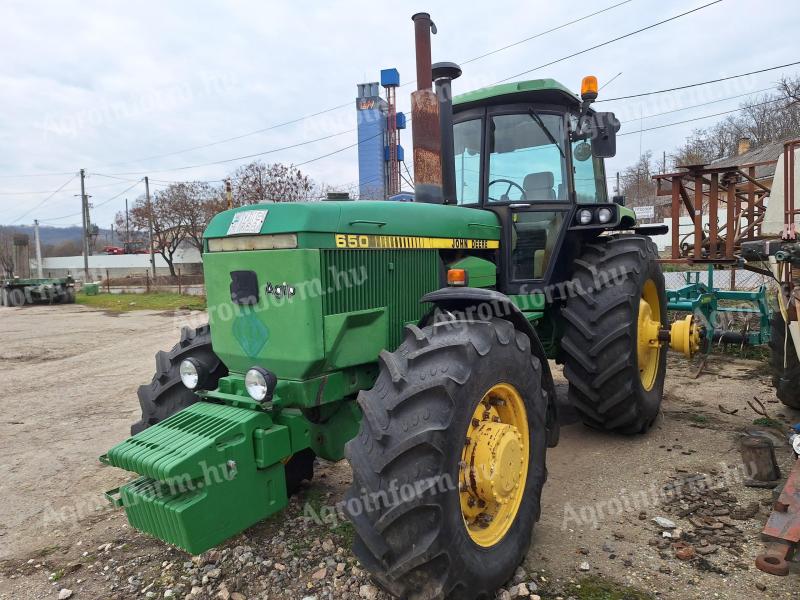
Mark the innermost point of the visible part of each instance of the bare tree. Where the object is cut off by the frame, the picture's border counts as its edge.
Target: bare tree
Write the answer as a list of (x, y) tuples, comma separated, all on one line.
[(63, 248), (637, 182), (198, 204), (258, 182), (168, 220), (765, 119)]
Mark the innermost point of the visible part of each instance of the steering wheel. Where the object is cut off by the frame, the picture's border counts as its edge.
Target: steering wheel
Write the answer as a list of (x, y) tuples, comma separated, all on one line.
[(504, 197)]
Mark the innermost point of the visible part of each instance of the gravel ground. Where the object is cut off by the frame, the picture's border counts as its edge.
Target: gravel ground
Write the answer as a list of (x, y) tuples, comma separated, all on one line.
[(71, 374)]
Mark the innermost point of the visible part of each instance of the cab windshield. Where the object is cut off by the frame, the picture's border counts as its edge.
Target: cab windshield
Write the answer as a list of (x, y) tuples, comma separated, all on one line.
[(527, 160)]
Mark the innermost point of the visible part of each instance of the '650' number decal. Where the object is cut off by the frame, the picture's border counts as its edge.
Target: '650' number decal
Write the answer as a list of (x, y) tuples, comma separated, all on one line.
[(351, 241)]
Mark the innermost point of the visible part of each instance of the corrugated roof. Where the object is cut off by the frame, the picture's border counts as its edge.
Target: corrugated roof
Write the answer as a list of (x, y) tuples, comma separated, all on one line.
[(771, 151)]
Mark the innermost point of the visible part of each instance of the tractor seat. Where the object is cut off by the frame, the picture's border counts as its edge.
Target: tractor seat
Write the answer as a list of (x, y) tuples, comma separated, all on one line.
[(539, 186)]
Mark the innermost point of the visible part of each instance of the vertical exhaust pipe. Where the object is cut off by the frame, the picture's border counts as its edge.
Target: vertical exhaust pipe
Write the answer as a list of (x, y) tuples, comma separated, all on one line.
[(426, 130), (443, 75)]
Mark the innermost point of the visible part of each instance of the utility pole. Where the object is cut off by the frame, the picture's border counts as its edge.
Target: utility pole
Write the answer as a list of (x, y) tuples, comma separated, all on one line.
[(38, 249), (127, 243), (150, 225), (85, 210), (229, 193)]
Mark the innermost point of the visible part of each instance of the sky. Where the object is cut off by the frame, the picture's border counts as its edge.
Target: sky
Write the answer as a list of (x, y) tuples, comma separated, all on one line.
[(124, 90)]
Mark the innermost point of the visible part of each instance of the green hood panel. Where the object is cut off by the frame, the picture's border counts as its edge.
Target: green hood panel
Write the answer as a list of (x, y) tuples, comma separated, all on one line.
[(366, 217)]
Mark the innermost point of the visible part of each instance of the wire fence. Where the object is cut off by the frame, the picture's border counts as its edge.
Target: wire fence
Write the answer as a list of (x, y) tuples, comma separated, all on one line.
[(728, 279)]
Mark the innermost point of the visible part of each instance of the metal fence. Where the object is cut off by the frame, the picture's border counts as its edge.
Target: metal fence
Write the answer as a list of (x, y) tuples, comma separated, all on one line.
[(728, 279)]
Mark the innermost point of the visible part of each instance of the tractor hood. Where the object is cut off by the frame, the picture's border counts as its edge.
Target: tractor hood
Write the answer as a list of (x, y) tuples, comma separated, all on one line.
[(355, 217)]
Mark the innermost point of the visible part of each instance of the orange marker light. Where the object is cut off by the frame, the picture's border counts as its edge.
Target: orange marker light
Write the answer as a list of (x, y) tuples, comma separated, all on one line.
[(457, 277), (589, 87)]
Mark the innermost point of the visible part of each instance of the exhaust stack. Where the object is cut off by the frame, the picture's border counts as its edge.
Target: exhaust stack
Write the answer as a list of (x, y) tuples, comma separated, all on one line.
[(426, 132), (443, 74)]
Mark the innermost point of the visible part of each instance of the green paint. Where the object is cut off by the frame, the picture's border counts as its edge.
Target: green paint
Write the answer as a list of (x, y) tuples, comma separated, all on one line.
[(369, 218), (208, 472), (530, 88), (250, 332), (480, 273)]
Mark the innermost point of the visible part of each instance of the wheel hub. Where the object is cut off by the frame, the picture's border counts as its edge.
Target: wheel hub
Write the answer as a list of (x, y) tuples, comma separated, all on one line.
[(494, 465), (498, 451)]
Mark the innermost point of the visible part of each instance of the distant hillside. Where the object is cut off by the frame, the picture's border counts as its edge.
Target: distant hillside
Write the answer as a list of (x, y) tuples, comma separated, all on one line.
[(61, 241), (53, 236)]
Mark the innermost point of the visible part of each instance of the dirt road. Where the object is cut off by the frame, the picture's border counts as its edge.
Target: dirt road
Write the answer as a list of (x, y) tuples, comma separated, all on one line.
[(69, 393)]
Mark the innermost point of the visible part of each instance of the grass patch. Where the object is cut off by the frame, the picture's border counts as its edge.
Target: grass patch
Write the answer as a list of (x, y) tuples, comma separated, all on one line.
[(46, 551), (695, 418), (153, 301), (767, 422), (597, 588)]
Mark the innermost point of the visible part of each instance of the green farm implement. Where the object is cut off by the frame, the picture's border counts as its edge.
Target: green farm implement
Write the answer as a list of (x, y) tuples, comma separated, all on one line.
[(414, 339), (719, 310), (17, 292)]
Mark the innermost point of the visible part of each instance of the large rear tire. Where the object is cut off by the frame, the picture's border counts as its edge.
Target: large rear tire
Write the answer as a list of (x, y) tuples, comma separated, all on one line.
[(616, 380), (449, 395), (785, 363)]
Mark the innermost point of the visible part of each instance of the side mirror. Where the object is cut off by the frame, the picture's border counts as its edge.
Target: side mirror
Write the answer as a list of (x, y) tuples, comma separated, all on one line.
[(603, 128), (619, 199)]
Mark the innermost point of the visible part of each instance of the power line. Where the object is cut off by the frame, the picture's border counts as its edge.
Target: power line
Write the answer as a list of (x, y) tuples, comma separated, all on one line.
[(95, 206), (691, 85), (26, 175), (234, 159), (543, 33), (667, 112), (727, 112), (234, 138), (104, 185), (340, 106), (611, 41), (74, 175)]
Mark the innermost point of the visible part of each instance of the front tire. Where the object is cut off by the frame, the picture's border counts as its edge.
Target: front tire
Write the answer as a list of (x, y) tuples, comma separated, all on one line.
[(451, 394), (165, 394), (784, 363), (615, 383)]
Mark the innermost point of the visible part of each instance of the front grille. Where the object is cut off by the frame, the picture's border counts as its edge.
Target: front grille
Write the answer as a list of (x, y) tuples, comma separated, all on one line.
[(363, 279)]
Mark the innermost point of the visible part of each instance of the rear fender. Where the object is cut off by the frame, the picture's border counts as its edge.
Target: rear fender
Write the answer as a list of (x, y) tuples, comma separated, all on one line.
[(481, 303)]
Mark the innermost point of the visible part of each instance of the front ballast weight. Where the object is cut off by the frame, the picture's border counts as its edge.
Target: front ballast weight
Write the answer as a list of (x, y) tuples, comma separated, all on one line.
[(206, 473)]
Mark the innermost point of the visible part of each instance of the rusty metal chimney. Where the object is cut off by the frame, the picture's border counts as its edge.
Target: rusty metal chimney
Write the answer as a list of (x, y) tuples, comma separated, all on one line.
[(426, 132)]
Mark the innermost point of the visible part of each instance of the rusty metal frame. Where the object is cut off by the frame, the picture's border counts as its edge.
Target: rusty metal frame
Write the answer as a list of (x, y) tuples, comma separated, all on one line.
[(783, 527), (730, 192), (790, 207)]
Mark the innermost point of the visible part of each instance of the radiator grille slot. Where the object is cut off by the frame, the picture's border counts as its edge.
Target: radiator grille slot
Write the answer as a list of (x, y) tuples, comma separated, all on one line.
[(363, 279)]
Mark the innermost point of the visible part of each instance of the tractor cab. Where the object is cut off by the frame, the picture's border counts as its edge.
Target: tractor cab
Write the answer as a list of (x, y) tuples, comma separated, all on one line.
[(532, 152)]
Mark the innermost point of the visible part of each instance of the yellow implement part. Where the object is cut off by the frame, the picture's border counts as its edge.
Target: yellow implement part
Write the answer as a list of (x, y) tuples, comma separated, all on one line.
[(685, 336)]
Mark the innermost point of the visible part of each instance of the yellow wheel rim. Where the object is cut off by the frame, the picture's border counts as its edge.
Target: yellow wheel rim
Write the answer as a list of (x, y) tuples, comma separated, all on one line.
[(648, 344), (494, 465)]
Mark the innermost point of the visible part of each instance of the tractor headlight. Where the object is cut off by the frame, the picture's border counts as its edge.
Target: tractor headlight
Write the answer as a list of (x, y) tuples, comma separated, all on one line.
[(260, 384), (584, 216), (604, 215), (192, 373)]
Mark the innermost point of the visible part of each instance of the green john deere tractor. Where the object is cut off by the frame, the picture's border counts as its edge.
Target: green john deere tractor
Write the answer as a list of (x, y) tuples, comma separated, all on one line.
[(413, 339)]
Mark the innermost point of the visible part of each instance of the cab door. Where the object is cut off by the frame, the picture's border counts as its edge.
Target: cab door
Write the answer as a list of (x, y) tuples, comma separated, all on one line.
[(529, 184)]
